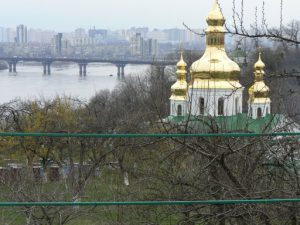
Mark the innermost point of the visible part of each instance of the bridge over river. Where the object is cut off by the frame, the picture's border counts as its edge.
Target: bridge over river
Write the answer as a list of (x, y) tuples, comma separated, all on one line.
[(83, 63)]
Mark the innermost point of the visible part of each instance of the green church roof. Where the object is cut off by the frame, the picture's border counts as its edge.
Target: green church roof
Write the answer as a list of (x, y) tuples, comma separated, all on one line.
[(237, 123)]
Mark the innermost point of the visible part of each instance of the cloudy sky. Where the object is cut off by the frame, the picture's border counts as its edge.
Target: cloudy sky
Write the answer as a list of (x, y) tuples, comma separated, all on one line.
[(66, 15)]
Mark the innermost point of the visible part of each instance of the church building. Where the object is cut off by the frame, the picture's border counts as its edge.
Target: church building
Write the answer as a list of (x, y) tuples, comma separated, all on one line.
[(215, 91)]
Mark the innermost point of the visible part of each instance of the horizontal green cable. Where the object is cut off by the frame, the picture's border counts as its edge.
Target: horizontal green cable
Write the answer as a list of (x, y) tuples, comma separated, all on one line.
[(87, 135), (150, 203)]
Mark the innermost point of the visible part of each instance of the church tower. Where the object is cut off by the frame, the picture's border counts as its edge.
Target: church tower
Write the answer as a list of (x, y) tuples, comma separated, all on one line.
[(259, 101), (178, 99), (215, 89)]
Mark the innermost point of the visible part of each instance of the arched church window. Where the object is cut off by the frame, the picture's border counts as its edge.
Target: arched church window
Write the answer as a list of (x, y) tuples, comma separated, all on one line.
[(267, 110), (179, 110), (201, 105), (221, 107), (217, 40), (213, 40), (259, 113), (237, 109)]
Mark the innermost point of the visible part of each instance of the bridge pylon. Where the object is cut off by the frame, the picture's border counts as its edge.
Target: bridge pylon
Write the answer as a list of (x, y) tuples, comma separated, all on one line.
[(121, 70), (12, 66), (82, 68), (47, 67)]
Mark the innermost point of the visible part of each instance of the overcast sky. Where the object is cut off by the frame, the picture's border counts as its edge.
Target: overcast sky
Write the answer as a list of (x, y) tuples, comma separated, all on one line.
[(67, 15)]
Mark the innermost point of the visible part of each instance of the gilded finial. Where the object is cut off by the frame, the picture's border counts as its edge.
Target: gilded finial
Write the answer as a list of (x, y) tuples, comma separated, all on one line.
[(181, 68), (181, 55), (216, 2), (216, 15), (259, 65), (181, 64), (259, 52)]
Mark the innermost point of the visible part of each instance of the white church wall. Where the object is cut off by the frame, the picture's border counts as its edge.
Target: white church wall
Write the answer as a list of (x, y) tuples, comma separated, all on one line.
[(174, 107), (211, 99), (265, 109)]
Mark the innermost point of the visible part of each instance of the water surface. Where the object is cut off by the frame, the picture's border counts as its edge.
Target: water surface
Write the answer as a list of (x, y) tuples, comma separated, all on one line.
[(30, 83)]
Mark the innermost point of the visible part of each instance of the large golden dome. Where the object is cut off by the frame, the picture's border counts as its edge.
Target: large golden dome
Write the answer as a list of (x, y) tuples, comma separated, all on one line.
[(215, 64)]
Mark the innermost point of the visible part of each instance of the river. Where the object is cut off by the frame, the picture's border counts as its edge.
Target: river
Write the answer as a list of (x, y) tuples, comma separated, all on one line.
[(29, 82)]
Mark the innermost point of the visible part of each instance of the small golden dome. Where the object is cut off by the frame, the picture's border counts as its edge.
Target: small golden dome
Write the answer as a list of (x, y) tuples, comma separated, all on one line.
[(259, 65), (259, 89), (181, 64), (179, 89)]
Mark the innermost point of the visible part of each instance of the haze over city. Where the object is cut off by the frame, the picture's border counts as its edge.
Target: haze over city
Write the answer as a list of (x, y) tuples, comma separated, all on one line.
[(67, 15), (113, 112)]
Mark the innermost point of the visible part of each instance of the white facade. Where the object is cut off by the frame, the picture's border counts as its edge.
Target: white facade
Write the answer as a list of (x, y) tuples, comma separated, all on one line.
[(178, 107), (259, 109), (215, 102)]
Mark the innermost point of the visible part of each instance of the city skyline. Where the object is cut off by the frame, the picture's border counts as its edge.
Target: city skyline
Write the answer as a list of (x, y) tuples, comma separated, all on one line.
[(116, 14)]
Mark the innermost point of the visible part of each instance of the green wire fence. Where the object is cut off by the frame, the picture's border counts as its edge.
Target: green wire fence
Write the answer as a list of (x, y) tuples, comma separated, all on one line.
[(151, 203), (170, 135)]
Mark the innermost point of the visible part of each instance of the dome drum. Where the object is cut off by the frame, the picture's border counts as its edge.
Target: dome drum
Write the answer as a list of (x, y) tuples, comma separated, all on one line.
[(232, 75), (179, 92), (261, 94), (216, 22)]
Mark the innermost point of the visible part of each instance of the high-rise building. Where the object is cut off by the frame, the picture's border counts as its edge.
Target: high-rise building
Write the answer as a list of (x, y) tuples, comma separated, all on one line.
[(175, 35), (141, 30), (137, 45), (159, 35), (40, 36), (57, 43), (10, 35), (80, 33), (143, 48), (2, 34), (150, 47), (98, 33), (21, 37)]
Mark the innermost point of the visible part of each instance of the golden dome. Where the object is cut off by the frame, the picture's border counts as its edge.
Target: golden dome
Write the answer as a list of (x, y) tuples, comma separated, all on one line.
[(259, 65), (259, 89), (181, 64), (179, 89), (215, 63)]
